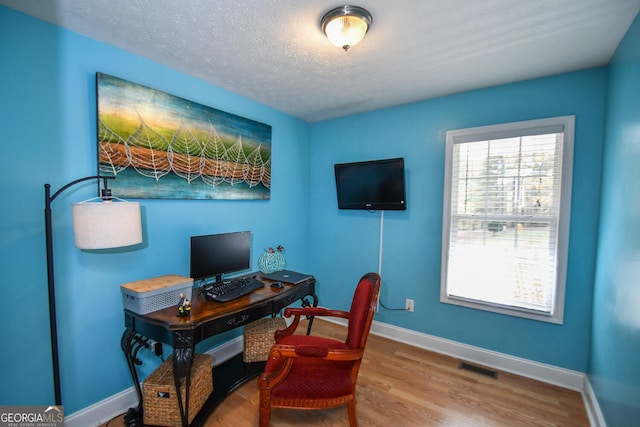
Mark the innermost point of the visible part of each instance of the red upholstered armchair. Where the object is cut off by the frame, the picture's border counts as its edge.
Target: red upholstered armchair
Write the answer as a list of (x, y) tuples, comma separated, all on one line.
[(307, 372)]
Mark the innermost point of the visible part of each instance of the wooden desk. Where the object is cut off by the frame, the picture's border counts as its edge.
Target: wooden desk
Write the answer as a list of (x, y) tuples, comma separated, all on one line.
[(207, 319)]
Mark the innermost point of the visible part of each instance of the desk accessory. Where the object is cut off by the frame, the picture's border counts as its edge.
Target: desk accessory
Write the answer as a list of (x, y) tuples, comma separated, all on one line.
[(145, 296), (272, 260)]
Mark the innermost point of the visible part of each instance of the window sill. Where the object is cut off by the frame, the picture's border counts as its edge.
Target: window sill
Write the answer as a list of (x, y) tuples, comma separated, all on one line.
[(555, 318)]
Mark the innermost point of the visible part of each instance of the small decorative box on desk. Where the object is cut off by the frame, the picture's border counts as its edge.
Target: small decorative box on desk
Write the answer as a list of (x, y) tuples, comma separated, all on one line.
[(145, 296)]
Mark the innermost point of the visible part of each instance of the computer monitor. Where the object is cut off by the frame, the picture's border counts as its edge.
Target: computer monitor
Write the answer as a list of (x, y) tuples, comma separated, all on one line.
[(214, 255)]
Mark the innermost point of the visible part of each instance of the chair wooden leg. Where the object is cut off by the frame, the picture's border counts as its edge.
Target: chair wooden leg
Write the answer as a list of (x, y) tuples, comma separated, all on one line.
[(264, 416), (353, 416)]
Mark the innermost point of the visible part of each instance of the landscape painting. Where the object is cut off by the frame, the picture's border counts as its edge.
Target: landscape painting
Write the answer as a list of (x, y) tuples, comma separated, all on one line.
[(160, 146)]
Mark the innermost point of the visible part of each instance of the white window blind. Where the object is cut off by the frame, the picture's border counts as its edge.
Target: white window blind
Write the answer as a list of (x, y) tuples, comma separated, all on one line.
[(506, 217)]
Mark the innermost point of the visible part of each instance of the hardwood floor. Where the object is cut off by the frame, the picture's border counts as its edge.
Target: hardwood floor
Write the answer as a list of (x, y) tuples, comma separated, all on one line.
[(400, 385)]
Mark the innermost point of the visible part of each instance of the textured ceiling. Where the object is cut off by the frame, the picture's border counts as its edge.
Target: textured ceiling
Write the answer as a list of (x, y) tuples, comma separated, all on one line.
[(274, 52)]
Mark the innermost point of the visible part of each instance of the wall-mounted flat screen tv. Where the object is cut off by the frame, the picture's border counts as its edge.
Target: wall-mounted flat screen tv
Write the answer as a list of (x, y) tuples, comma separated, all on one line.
[(371, 185)]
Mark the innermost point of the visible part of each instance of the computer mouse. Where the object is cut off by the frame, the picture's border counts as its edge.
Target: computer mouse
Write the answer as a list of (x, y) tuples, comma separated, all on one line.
[(277, 285)]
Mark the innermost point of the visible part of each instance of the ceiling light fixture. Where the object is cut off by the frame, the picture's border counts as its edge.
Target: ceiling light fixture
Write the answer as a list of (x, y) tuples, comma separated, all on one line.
[(345, 26)]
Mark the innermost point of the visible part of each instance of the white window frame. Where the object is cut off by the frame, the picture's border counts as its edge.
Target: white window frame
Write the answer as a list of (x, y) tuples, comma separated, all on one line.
[(564, 123)]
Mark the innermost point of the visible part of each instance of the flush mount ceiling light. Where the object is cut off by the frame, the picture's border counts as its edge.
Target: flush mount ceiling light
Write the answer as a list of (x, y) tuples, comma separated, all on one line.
[(345, 26)]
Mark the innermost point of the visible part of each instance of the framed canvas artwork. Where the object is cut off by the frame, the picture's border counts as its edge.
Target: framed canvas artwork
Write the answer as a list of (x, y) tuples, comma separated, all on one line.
[(160, 146)]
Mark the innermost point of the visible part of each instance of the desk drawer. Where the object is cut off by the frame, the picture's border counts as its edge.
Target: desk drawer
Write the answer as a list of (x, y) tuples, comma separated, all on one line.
[(298, 292), (235, 320)]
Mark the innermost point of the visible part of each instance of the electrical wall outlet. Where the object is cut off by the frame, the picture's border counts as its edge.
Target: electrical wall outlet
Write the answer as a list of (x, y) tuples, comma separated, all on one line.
[(156, 347), (408, 305)]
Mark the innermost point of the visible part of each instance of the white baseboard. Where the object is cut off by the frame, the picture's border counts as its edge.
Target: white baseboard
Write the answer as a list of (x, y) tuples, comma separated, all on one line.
[(566, 378), (596, 419), (226, 351), (119, 403), (103, 411)]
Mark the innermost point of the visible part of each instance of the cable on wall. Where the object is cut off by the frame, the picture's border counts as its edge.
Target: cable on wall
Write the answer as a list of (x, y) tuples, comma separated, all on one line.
[(380, 303)]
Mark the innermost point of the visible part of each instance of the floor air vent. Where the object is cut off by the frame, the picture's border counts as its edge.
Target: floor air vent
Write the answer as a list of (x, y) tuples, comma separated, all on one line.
[(478, 370)]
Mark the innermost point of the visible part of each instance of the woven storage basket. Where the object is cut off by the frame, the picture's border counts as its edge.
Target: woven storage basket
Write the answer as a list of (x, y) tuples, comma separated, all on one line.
[(258, 338), (160, 402)]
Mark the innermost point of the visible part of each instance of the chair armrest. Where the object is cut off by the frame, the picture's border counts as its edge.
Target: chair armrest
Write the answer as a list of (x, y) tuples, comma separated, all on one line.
[(307, 351), (315, 311), (311, 351), (297, 312)]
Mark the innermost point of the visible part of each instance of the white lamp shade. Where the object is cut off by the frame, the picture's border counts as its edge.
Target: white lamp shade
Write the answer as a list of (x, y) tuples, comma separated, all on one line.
[(104, 225)]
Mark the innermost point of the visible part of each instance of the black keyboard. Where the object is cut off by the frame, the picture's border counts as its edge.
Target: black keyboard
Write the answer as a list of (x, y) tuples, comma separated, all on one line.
[(231, 289)]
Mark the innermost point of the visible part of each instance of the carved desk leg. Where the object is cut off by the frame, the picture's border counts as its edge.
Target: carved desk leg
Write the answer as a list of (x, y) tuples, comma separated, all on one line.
[(306, 303), (131, 344), (183, 353)]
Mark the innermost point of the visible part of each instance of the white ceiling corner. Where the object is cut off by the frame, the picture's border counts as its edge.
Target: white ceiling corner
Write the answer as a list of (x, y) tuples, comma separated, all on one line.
[(273, 51)]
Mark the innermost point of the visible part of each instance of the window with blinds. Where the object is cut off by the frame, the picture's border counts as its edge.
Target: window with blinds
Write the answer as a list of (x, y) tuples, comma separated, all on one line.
[(506, 217)]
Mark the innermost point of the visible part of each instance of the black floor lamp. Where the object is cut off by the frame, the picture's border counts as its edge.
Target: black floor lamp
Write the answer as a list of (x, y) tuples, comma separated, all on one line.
[(105, 224)]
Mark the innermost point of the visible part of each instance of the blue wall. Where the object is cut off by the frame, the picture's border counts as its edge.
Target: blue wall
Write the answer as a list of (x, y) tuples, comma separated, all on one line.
[(614, 371), (48, 115), (345, 243)]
